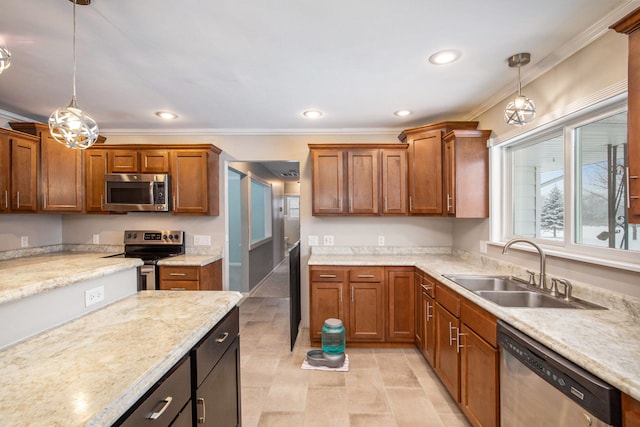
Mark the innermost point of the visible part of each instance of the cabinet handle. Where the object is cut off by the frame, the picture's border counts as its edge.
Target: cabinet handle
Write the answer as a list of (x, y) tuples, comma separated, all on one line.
[(174, 202), (366, 276), (451, 338), (102, 202), (429, 314), (203, 418), (629, 196), (178, 289), (222, 338), (448, 202), (459, 344), (386, 206), (340, 204), (328, 276), (340, 294), (426, 287), (350, 204), (18, 198), (165, 404), (178, 274), (410, 204), (352, 296), (44, 201), (6, 199)]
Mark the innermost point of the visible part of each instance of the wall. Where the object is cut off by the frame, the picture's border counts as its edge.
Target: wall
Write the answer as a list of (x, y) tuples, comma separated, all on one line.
[(600, 67), (42, 230)]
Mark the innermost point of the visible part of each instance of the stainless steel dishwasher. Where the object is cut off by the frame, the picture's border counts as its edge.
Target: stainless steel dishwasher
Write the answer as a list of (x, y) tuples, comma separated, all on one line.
[(540, 388)]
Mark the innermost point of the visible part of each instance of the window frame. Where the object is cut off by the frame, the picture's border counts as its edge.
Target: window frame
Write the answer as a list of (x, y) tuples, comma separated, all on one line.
[(501, 202)]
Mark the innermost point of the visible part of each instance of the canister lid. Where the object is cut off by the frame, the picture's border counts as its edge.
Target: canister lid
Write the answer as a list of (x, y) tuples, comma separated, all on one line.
[(333, 323)]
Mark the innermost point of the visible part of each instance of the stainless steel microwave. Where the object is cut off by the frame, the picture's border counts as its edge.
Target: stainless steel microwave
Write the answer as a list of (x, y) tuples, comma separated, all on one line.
[(129, 192)]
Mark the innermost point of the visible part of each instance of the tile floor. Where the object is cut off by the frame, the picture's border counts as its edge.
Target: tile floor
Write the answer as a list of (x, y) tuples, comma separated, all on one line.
[(383, 387)]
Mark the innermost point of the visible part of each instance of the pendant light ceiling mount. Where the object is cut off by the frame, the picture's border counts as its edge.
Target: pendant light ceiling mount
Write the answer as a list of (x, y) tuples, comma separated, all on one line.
[(70, 126), (522, 109)]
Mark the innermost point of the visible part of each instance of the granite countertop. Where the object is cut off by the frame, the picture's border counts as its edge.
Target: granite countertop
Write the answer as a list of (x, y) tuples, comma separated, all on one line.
[(191, 260), (604, 342), (27, 276), (89, 371)]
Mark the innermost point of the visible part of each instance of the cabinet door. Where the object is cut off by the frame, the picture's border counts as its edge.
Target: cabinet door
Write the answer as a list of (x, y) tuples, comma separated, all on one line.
[(123, 161), (418, 327), (394, 182), (326, 303), (425, 173), (366, 311), (630, 411), (61, 179), (154, 161), (327, 182), (218, 397), (447, 357), (362, 181), (429, 332), (479, 396), (96, 166), (450, 176), (5, 173), (193, 183), (24, 178), (401, 291)]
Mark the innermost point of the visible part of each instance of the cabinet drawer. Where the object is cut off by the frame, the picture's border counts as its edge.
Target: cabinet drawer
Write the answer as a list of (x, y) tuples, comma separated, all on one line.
[(178, 285), (448, 299), (176, 385), (427, 283), (482, 322), (327, 275), (366, 274), (178, 273), (213, 346)]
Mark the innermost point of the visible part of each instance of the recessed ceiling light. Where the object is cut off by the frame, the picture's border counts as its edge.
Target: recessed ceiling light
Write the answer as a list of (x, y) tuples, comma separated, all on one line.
[(166, 115), (403, 113), (312, 114), (444, 57)]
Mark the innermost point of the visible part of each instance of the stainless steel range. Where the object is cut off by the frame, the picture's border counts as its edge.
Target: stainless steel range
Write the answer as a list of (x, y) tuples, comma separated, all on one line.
[(151, 246)]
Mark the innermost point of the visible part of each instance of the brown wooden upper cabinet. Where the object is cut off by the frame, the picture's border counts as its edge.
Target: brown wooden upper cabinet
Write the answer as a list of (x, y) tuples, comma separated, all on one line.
[(358, 179), (428, 169), (195, 181), (630, 25), (466, 173), (61, 180), (18, 172)]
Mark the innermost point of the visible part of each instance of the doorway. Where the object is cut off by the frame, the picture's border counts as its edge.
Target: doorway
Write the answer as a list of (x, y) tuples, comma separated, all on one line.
[(234, 214)]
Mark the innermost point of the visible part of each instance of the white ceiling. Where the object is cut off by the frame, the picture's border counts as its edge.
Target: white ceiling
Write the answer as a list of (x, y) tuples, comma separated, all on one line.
[(256, 65)]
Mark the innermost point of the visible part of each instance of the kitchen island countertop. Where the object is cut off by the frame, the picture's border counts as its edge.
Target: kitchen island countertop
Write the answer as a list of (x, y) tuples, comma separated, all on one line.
[(604, 342), (89, 371)]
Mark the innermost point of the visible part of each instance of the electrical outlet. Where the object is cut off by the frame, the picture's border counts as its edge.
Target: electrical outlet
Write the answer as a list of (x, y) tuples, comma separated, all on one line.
[(93, 296), (380, 240), (483, 246), (328, 240), (202, 240), (24, 241), (96, 239), (313, 240)]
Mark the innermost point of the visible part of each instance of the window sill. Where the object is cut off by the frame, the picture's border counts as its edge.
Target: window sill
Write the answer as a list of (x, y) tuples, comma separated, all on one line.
[(557, 252)]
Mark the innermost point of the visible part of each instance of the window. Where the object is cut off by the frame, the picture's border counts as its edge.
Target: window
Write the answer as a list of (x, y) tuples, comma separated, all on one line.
[(565, 186), (260, 217)]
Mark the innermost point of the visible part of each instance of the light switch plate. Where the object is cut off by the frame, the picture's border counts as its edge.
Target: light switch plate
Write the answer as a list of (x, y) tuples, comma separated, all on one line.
[(24, 241), (202, 240), (96, 239), (313, 240), (483, 246), (328, 240), (380, 240)]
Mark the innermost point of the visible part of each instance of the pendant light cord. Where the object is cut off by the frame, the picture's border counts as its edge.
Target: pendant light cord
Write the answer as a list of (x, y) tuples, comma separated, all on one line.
[(519, 81), (74, 52)]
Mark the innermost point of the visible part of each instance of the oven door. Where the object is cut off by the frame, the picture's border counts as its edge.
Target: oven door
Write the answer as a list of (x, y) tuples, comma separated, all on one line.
[(147, 278)]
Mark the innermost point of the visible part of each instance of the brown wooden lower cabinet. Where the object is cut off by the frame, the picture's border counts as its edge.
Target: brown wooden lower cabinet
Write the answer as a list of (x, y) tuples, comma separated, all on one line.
[(447, 354), (630, 411), (191, 278), (401, 302)]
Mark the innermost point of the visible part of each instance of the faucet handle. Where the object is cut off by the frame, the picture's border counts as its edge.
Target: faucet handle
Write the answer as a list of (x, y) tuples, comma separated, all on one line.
[(554, 287), (568, 287), (532, 277)]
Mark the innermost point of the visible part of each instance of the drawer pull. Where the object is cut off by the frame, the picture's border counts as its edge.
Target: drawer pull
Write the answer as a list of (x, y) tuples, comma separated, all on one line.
[(222, 338), (165, 404), (178, 289), (177, 274), (427, 287), (366, 276), (203, 418), (328, 276)]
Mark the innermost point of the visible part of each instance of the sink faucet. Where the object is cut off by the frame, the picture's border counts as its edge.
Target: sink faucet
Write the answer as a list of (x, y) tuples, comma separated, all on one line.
[(505, 251)]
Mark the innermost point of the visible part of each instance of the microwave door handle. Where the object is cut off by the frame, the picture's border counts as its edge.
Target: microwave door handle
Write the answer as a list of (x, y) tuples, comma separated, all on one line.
[(151, 198)]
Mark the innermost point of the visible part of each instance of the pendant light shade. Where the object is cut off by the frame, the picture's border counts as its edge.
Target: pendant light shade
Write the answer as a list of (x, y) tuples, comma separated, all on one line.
[(5, 59), (70, 125), (522, 109)]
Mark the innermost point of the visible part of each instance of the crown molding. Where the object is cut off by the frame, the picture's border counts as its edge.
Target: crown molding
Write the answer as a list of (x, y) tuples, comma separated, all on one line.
[(231, 131), (552, 60)]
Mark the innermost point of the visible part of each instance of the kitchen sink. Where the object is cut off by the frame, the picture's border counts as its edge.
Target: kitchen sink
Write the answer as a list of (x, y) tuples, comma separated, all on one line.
[(486, 283), (508, 291)]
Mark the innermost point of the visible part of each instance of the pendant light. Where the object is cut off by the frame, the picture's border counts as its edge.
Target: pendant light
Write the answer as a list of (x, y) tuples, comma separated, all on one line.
[(70, 125), (5, 59), (522, 109)]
